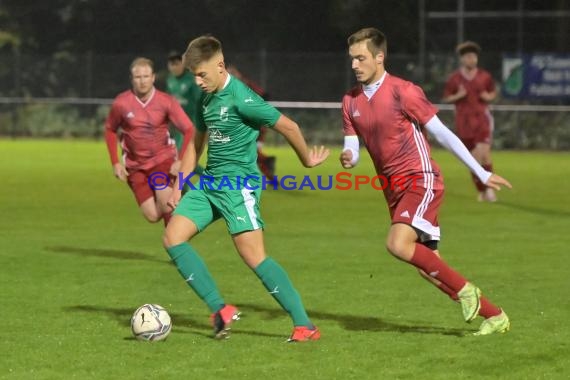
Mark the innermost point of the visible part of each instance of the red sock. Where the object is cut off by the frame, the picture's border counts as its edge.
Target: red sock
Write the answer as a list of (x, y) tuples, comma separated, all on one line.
[(429, 262), (444, 288), (488, 310), (166, 218)]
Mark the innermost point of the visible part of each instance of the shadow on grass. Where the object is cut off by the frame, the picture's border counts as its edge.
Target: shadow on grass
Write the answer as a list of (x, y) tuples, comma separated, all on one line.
[(533, 210), (181, 323), (112, 253), (515, 206), (360, 323)]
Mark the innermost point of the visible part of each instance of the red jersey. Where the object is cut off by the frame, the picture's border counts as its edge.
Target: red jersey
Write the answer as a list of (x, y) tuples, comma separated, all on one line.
[(145, 140), (471, 112), (390, 124)]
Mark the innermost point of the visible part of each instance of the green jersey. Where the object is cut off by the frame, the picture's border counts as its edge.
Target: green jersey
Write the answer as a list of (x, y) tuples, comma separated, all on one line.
[(233, 117), (188, 94)]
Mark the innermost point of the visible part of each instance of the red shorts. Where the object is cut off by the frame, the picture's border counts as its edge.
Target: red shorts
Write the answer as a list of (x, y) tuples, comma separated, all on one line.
[(138, 180), (418, 208), (475, 129)]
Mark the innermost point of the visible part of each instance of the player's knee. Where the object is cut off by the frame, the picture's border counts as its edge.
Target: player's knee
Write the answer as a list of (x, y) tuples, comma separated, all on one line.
[(394, 245), (167, 239), (151, 217)]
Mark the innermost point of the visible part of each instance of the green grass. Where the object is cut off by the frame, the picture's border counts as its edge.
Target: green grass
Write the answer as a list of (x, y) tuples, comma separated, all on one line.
[(77, 258)]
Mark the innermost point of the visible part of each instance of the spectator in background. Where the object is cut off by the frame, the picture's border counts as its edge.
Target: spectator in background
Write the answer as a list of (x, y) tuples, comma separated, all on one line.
[(265, 163), (471, 88)]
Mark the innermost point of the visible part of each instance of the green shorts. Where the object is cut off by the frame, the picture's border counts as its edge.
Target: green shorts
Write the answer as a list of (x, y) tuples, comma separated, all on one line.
[(239, 208)]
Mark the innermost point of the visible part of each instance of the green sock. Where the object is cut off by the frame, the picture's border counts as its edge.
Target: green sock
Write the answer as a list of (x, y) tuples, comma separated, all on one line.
[(280, 287), (196, 274)]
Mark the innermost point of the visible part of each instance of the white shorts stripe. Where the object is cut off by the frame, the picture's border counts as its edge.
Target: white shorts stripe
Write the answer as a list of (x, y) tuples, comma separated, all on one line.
[(249, 202), (427, 171)]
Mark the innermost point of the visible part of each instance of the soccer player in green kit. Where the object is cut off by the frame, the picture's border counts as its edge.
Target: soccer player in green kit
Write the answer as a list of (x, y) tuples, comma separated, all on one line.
[(231, 115)]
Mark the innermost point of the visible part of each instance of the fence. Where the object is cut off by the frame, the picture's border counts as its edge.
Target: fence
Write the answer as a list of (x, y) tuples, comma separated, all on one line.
[(516, 126)]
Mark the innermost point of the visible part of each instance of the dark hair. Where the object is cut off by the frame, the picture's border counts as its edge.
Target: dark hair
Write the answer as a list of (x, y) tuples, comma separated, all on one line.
[(201, 49), (174, 56), (375, 40), (468, 47)]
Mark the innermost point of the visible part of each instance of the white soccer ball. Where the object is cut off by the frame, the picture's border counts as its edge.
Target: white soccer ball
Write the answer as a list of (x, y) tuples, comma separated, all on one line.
[(151, 322)]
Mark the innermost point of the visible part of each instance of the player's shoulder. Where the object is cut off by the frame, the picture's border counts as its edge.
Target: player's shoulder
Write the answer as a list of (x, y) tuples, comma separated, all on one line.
[(353, 92), (399, 85), (242, 92), (484, 73), (123, 98), (454, 76)]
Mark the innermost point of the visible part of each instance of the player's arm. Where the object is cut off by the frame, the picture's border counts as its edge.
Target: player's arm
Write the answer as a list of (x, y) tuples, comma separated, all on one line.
[(182, 122), (290, 130), (351, 150), (112, 124), (451, 142), (187, 165), (453, 91), (490, 92)]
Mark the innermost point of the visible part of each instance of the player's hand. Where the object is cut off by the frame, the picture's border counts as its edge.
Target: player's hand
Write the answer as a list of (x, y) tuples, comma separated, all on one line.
[(175, 168), (495, 181), (120, 172), (486, 96), (317, 156), (461, 92), (346, 159), (174, 199)]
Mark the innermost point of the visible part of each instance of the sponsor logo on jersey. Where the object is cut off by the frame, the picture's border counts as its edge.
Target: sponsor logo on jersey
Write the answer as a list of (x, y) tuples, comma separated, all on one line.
[(224, 115), (130, 115), (356, 114), (218, 137)]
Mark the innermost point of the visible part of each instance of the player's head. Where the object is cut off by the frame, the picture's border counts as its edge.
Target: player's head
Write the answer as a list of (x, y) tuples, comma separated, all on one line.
[(367, 50), (142, 76), (175, 64), (468, 52), (204, 57)]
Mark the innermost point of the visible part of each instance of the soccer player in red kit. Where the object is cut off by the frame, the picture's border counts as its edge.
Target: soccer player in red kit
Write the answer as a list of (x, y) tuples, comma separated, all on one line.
[(390, 115), (471, 88), (142, 114)]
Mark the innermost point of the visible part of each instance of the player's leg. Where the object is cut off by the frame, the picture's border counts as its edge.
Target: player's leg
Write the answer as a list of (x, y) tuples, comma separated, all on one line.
[(417, 211), (246, 226), (137, 181), (438, 284), (192, 215)]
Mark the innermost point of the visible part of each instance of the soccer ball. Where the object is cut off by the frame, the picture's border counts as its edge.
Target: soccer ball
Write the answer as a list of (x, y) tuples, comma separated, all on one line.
[(151, 322)]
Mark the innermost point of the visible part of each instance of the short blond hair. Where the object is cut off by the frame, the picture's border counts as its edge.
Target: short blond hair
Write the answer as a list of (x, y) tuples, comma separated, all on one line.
[(200, 50), (141, 61)]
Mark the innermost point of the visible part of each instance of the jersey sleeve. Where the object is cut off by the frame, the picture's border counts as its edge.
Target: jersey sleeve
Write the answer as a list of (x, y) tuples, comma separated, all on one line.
[(489, 83), (112, 124), (451, 86), (114, 118), (415, 104), (256, 111), (178, 117), (347, 126)]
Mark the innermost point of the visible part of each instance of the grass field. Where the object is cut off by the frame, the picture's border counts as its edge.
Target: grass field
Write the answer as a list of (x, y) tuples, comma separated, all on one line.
[(76, 259)]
